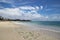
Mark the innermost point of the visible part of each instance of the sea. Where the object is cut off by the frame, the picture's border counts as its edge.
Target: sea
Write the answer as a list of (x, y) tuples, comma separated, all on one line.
[(44, 25)]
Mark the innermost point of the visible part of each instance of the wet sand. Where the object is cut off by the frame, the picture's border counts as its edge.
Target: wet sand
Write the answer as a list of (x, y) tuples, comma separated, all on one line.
[(11, 31)]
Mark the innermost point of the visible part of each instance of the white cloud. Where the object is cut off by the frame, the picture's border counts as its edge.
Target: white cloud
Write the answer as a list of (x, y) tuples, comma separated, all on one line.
[(41, 7), (16, 2), (54, 17), (10, 11), (29, 8), (7, 1), (21, 13), (49, 9)]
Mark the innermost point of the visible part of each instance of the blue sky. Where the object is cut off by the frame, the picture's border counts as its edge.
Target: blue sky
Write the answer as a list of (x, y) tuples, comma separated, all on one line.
[(43, 10)]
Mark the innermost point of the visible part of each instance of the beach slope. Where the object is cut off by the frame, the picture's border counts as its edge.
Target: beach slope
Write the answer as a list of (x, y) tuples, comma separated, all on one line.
[(11, 31)]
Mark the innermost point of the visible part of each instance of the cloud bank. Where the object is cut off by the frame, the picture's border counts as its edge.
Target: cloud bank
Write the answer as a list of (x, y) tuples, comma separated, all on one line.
[(15, 10), (23, 12), (27, 12)]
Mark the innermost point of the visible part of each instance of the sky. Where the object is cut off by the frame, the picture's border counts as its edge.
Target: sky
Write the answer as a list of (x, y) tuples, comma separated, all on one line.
[(40, 10)]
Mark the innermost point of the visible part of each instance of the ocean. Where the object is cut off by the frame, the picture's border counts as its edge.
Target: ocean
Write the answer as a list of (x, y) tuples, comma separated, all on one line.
[(48, 23), (45, 25)]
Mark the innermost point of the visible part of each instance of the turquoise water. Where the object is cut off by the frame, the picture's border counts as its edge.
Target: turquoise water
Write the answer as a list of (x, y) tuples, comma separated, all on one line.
[(45, 25)]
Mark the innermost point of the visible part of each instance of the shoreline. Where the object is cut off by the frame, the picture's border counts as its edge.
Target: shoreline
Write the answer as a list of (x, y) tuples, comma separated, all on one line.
[(12, 31), (35, 26)]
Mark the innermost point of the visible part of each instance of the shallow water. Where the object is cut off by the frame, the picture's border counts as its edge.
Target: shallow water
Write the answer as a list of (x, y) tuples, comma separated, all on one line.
[(45, 25)]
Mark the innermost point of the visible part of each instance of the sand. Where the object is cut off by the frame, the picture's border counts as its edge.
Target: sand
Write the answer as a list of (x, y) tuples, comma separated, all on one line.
[(11, 31)]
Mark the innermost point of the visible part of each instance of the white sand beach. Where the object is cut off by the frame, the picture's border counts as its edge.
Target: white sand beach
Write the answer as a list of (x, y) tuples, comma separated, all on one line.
[(11, 31)]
